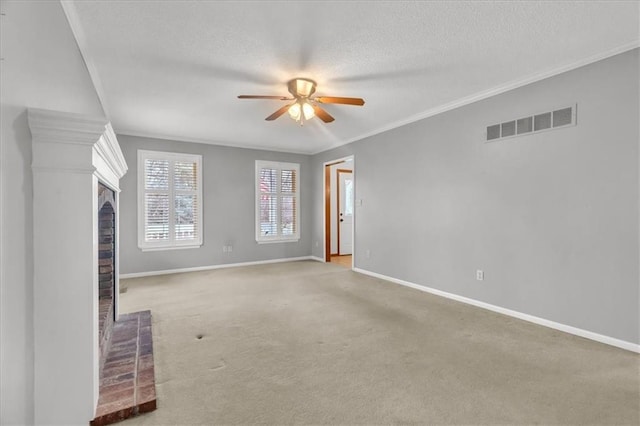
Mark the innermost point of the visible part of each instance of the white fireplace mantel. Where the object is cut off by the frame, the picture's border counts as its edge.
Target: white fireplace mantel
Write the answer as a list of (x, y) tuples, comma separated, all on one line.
[(62, 141), (71, 153)]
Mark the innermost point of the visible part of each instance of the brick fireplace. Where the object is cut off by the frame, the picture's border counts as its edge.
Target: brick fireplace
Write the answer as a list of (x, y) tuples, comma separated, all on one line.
[(106, 268)]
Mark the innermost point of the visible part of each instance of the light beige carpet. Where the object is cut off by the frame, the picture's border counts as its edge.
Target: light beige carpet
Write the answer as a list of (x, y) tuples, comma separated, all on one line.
[(312, 343)]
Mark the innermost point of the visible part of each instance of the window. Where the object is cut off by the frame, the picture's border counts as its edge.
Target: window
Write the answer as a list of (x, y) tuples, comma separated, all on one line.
[(169, 200), (277, 202)]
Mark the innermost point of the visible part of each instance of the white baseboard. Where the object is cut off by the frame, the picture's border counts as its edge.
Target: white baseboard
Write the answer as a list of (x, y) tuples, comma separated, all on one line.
[(317, 259), (210, 267), (633, 347)]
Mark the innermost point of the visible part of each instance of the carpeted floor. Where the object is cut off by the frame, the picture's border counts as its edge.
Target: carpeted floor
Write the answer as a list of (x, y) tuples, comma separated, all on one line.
[(313, 343)]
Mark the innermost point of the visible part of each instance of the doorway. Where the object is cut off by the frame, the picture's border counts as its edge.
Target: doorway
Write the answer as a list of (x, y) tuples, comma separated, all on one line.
[(344, 203), (339, 211)]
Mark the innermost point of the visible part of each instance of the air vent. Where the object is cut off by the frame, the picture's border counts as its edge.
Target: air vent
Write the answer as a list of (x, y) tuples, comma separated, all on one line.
[(542, 121), (562, 117), (525, 125), (550, 120), (508, 129)]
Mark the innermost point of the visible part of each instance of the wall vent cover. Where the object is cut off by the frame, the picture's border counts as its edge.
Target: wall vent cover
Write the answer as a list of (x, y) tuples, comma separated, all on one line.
[(550, 120)]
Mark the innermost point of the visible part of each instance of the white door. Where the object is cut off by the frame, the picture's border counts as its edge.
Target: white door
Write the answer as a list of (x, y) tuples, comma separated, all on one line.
[(345, 211)]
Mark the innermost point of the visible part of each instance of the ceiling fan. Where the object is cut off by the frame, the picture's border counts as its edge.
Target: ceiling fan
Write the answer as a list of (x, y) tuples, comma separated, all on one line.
[(304, 107)]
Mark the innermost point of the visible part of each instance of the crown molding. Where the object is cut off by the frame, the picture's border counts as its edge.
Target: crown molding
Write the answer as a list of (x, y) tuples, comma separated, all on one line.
[(148, 135), (514, 84), (71, 13), (76, 27), (109, 149)]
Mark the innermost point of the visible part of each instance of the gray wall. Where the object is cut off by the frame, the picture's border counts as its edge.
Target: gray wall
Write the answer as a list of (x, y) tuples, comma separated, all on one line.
[(41, 68), (228, 214), (551, 218)]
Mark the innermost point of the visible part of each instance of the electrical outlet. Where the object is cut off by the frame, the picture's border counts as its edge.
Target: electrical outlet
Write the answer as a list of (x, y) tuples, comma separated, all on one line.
[(317, 244), (229, 249), (367, 254), (224, 249), (479, 275)]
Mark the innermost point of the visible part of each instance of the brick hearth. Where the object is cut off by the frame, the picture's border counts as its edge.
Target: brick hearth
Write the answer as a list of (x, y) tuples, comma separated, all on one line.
[(127, 381)]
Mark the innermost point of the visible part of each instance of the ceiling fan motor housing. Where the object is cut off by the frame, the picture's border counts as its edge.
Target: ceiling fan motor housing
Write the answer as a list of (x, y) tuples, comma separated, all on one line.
[(302, 87)]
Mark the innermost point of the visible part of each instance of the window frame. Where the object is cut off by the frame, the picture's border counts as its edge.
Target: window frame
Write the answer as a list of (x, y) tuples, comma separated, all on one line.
[(171, 243), (279, 166)]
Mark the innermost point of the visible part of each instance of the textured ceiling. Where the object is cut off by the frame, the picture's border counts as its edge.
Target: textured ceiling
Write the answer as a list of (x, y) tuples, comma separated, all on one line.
[(173, 69)]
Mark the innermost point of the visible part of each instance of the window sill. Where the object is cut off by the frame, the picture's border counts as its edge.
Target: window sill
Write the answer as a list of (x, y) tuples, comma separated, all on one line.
[(280, 240), (194, 246)]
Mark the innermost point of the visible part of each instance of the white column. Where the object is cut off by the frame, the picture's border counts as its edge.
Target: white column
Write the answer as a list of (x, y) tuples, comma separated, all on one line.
[(70, 154)]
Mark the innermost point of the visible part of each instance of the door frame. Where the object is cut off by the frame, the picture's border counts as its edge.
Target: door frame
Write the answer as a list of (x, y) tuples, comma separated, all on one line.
[(338, 171), (326, 211)]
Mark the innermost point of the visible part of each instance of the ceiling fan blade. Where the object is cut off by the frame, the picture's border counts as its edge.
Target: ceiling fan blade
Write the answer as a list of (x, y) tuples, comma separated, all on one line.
[(339, 100), (322, 114), (278, 113), (280, 98)]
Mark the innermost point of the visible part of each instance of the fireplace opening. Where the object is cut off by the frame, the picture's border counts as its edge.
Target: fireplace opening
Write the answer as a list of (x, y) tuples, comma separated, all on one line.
[(106, 268)]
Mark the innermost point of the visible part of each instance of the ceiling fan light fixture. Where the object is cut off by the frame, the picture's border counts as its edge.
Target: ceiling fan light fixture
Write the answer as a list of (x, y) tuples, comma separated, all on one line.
[(301, 110), (308, 111), (294, 111)]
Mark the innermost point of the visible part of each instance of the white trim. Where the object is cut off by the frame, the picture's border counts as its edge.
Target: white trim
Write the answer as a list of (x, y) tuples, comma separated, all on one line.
[(633, 347), (76, 29), (339, 160), (316, 258), (75, 143), (62, 128), (512, 85), (151, 135), (280, 240), (171, 158), (164, 248), (109, 149), (211, 267), (349, 158)]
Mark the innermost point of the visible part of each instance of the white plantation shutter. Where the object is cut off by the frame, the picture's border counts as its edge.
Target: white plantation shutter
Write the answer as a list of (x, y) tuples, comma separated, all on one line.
[(186, 200), (156, 199), (170, 200), (277, 201), (288, 202), (268, 202)]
